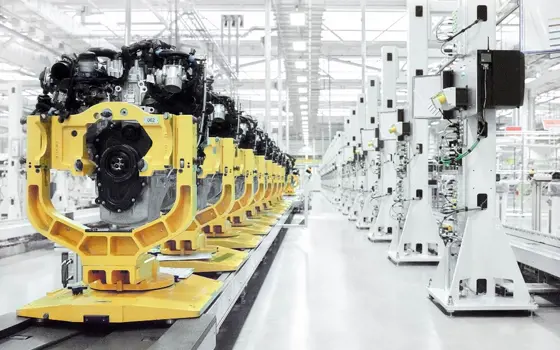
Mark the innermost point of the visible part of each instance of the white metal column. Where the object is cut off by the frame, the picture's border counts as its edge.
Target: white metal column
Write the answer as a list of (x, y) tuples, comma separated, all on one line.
[(280, 102), (267, 58), (485, 256), (372, 166), (128, 22), (419, 240), (12, 203), (385, 223)]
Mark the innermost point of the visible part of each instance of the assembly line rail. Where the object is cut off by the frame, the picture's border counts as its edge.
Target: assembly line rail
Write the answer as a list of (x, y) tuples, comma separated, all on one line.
[(17, 333)]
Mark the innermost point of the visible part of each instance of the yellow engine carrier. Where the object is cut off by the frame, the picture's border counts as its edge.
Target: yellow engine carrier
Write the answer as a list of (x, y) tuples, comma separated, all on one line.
[(270, 205), (291, 185), (213, 220), (243, 208), (124, 282)]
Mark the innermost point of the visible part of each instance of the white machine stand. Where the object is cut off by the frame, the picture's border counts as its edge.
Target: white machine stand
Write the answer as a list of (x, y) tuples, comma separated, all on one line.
[(370, 146), (419, 241), (485, 260), (385, 223), (359, 160), (11, 205)]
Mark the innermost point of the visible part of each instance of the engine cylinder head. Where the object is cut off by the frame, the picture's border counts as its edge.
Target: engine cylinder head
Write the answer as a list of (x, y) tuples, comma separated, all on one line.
[(173, 82)]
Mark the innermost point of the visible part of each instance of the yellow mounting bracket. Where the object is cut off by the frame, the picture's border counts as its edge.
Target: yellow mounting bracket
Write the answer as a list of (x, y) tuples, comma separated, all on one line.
[(257, 205), (245, 165), (111, 260), (220, 153), (271, 184), (291, 185)]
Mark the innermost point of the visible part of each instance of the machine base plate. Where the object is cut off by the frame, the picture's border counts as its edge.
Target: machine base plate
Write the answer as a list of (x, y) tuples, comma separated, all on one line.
[(185, 299), (240, 241), (413, 258), (223, 260), (381, 238), (259, 230), (478, 304)]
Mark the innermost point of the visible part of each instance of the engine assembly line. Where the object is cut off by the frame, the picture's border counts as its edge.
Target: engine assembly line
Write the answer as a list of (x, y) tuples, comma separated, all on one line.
[(280, 174), (185, 183)]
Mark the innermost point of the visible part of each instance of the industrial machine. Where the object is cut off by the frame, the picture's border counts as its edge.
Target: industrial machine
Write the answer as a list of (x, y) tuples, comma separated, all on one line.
[(142, 123), (478, 270), (126, 120), (292, 178), (416, 238)]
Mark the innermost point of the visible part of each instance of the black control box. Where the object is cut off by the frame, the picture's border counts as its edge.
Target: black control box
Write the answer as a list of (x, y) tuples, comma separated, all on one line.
[(501, 79)]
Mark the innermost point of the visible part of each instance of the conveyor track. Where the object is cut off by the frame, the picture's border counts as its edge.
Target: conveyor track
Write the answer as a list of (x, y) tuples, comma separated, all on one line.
[(18, 333)]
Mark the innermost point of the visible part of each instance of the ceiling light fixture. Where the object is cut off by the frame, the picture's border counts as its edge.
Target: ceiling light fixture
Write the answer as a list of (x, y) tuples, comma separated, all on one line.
[(301, 64), (302, 90), (299, 45), (303, 99), (297, 18), (304, 107), (301, 79)]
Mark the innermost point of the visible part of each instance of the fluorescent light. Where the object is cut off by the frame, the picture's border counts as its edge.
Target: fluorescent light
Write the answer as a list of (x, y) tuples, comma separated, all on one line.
[(303, 99), (302, 90), (304, 119), (301, 64), (304, 113), (301, 79), (528, 80), (304, 107), (297, 19), (299, 45)]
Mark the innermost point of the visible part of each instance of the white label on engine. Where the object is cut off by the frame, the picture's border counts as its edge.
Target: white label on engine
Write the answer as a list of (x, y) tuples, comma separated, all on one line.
[(151, 120)]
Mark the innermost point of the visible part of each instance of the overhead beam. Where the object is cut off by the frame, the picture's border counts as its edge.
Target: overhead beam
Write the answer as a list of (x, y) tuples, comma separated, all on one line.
[(56, 17), (323, 84), (22, 57), (334, 59)]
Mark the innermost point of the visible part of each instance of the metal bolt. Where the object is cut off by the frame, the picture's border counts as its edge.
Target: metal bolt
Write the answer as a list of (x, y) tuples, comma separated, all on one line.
[(124, 111), (107, 113), (103, 202), (166, 116), (99, 184), (142, 165), (119, 211), (133, 200), (79, 165)]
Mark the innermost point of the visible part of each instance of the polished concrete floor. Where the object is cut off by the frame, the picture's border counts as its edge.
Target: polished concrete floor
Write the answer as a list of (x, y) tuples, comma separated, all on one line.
[(330, 288)]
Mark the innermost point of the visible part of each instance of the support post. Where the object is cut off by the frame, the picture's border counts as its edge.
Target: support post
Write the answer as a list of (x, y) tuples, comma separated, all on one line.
[(419, 240), (280, 102), (364, 46), (385, 223), (472, 278), (128, 22), (267, 57), (11, 206), (237, 20)]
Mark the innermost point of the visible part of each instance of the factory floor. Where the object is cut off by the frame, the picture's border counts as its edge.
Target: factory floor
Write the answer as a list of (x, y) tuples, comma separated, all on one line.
[(330, 288)]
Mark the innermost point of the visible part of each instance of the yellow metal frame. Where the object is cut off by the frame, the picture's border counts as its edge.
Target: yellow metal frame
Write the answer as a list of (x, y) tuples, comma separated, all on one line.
[(243, 208), (212, 222), (291, 185), (115, 261), (245, 166)]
